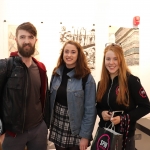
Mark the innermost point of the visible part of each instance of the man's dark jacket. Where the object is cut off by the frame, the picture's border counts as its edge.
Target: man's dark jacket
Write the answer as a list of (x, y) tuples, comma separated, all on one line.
[(13, 92)]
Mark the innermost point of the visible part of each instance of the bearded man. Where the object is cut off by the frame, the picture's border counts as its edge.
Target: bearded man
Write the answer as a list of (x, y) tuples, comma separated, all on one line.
[(23, 95)]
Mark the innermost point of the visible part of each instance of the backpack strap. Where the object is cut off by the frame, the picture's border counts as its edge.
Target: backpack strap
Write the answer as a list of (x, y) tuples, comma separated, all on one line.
[(10, 62), (84, 80)]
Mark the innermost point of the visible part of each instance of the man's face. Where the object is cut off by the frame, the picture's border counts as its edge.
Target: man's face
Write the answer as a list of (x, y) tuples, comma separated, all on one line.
[(25, 43)]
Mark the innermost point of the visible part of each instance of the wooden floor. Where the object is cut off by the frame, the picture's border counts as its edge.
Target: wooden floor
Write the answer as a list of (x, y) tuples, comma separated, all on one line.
[(143, 132)]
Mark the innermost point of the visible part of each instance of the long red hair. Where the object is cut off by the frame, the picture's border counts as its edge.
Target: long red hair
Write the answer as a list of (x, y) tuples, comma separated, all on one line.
[(123, 95)]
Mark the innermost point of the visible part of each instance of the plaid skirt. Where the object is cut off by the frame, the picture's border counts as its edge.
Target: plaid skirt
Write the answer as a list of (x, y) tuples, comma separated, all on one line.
[(60, 132)]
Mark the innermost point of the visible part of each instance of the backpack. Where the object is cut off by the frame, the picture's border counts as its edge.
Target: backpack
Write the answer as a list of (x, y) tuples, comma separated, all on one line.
[(9, 69), (10, 62)]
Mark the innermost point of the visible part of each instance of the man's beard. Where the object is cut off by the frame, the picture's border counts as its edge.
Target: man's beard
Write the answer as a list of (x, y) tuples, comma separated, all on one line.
[(26, 53)]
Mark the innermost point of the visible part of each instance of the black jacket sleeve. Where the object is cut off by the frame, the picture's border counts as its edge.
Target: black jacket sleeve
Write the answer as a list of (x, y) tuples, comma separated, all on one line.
[(47, 107), (3, 75), (139, 98), (47, 110), (3, 80)]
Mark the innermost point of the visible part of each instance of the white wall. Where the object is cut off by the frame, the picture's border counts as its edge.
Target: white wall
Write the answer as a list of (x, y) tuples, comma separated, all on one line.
[(51, 13), (121, 13), (2, 18), (80, 12)]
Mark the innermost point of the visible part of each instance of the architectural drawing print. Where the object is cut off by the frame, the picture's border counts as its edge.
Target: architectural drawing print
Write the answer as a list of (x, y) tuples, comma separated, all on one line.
[(84, 36), (11, 38), (129, 40)]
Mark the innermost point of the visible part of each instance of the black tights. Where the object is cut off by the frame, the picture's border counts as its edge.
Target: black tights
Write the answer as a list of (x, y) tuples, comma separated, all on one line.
[(69, 148)]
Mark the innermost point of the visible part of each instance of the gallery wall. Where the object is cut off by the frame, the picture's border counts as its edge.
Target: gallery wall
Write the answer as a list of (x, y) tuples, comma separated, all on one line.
[(47, 15)]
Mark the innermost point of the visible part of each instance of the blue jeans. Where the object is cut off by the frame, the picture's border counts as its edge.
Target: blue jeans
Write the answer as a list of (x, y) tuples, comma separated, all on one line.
[(34, 139)]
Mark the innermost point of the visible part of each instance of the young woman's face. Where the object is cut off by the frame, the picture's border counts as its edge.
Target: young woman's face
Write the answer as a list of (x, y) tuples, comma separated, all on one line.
[(111, 63), (70, 55)]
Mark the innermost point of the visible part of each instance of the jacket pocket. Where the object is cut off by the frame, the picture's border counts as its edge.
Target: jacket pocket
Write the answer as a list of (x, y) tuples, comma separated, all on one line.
[(15, 81), (79, 94), (78, 99)]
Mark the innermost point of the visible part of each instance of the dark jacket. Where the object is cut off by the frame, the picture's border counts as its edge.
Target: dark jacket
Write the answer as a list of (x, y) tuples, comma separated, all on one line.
[(13, 92), (139, 104)]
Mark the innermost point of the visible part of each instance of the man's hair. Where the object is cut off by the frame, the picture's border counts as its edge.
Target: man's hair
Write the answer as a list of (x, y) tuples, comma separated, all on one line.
[(123, 95), (81, 68), (27, 26)]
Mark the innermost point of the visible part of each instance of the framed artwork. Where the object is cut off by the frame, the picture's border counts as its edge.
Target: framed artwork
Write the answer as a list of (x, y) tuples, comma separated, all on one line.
[(129, 40), (83, 35)]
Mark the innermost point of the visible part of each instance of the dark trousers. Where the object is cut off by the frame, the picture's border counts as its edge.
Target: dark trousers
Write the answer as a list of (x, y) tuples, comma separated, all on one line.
[(34, 139), (130, 143)]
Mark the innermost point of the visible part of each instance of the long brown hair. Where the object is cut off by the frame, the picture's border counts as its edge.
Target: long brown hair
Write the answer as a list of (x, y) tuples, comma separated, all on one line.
[(123, 95), (81, 68)]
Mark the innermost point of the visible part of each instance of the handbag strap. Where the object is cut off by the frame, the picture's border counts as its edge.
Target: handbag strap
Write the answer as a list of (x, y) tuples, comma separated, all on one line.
[(111, 126), (125, 125)]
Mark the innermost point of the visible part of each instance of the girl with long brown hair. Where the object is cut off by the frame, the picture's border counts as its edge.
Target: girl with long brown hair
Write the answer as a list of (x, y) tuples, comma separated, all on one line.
[(73, 94)]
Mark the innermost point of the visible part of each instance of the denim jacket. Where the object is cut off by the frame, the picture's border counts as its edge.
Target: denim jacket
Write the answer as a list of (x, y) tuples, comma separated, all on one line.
[(81, 104)]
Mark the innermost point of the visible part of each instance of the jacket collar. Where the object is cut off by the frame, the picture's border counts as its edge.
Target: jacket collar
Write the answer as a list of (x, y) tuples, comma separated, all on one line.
[(114, 79), (39, 64)]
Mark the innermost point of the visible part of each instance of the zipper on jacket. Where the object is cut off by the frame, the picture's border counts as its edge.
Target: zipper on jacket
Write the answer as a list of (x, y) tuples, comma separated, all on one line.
[(108, 100), (108, 95), (25, 100)]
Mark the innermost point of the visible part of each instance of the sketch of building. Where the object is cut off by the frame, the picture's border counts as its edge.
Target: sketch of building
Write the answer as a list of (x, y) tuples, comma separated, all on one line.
[(129, 39), (85, 37)]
